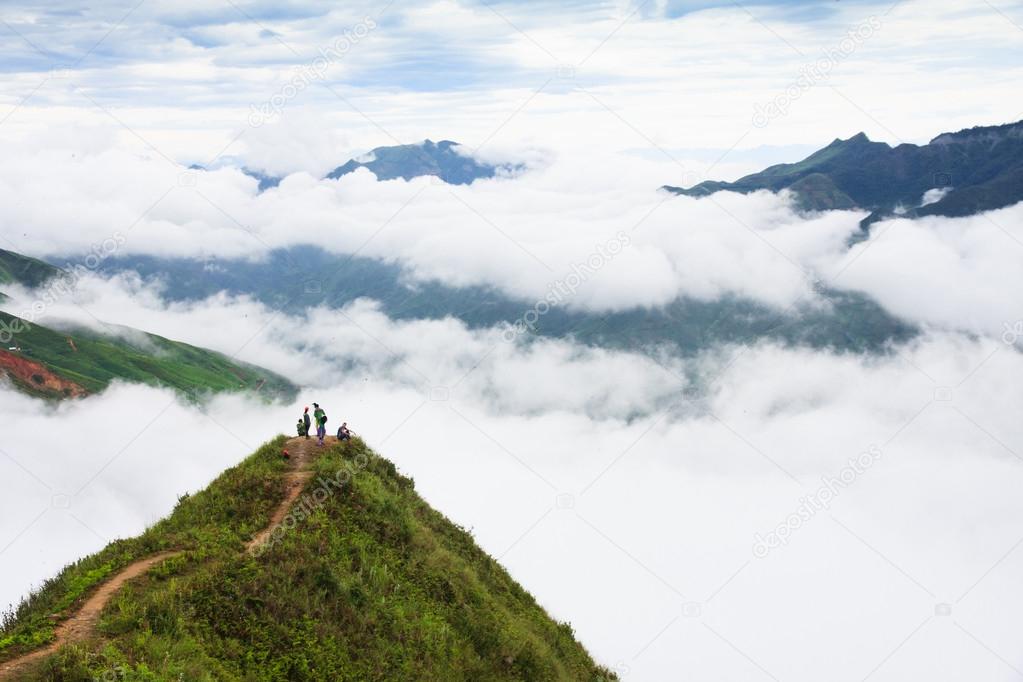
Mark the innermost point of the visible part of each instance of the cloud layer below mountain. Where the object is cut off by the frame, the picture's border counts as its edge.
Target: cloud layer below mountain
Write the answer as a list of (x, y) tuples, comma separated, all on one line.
[(638, 496), (592, 226), (629, 496)]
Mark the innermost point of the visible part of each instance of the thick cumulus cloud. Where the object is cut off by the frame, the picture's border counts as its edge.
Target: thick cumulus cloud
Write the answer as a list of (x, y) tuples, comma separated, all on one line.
[(963, 273), (764, 519), (754, 512), (591, 228), (431, 356), (596, 217)]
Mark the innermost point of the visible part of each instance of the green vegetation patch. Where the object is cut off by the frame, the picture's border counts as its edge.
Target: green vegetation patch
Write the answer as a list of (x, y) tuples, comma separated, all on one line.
[(364, 581), (93, 360), (29, 272), (214, 522)]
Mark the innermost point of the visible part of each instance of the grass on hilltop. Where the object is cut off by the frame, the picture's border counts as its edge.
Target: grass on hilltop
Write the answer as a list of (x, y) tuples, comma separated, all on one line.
[(372, 585)]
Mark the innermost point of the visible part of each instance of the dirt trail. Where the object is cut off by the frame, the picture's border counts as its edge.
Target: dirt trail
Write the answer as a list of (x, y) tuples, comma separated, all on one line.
[(301, 451), (82, 625)]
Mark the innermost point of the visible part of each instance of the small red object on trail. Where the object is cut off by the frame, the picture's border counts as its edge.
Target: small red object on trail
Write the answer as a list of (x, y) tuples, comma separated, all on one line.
[(286, 454)]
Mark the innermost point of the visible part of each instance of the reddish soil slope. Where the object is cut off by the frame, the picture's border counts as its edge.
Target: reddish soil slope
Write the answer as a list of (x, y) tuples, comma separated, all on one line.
[(36, 376)]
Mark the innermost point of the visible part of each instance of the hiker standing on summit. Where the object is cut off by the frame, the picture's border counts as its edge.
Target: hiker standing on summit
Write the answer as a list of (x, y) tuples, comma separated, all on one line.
[(321, 423), (305, 418)]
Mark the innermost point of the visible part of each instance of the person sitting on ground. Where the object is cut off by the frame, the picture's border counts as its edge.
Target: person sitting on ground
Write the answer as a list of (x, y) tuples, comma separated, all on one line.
[(343, 433), (303, 430)]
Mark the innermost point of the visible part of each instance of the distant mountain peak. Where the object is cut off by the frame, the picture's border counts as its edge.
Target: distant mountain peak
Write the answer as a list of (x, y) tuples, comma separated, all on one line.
[(978, 169), (439, 159), (858, 140)]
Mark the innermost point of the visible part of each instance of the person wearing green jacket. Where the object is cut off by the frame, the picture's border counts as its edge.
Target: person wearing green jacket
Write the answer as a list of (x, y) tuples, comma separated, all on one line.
[(320, 417)]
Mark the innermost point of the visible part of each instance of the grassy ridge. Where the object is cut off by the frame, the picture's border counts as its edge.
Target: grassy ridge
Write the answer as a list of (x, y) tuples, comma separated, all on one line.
[(372, 584), (99, 359), (29, 272), (147, 359), (981, 169), (212, 523)]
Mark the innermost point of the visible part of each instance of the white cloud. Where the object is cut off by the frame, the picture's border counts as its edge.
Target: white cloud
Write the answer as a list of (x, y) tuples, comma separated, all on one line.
[(933, 196), (666, 494), (960, 273), (523, 236), (313, 347), (518, 235), (932, 67), (616, 523)]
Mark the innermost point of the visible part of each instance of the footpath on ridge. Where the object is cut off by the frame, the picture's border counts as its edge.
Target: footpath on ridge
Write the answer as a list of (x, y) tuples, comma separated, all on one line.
[(83, 624)]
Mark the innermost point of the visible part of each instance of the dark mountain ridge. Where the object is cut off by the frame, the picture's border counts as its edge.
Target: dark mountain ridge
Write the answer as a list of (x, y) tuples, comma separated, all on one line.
[(309, 276), (407, 161), (969, 171), (439, 159)]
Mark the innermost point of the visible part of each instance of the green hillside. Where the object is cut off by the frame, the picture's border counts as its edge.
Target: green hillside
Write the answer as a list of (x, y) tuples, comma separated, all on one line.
[(86, 360), (30, 272), (64, 363), (369, 583)]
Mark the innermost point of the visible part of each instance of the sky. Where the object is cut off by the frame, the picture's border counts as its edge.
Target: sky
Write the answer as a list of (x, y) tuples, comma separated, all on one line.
[(182, 80), (680, 528)]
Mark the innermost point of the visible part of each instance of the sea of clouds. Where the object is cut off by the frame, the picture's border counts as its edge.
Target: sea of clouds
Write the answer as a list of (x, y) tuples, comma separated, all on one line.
[(748, 512), (665, 517), (754, 512), (521, 235)]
